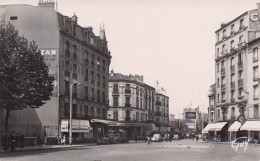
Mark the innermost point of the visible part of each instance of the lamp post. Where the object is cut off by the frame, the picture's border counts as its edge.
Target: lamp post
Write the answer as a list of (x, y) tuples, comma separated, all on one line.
[(71, 103)]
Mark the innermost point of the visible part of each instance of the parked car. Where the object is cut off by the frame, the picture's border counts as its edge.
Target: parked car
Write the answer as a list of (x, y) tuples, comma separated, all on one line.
[(157, 138), (102, 140), (176, 137)]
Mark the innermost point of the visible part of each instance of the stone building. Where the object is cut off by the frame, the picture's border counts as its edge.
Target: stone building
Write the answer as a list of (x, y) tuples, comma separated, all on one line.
[(131, 103), (73, 54), (237, 79)]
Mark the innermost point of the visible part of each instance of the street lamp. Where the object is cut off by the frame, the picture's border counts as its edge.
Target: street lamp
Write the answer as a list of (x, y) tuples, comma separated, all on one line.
[(70, 130)]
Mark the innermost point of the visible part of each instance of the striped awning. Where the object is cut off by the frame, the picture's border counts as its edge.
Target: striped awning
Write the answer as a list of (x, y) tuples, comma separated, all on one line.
[(235, 126)]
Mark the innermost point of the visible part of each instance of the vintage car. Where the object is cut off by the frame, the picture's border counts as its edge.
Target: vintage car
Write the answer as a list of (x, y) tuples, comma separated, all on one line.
[(157, 138)]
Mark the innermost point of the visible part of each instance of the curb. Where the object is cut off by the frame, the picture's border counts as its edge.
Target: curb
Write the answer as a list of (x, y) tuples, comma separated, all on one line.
[(48, 147)]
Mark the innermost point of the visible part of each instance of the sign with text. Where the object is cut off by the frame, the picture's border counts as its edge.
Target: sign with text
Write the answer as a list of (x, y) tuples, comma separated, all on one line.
[(254, 22), (190, 115)]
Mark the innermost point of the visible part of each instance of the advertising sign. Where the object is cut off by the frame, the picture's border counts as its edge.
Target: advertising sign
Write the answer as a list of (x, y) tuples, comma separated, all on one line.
[(77, 126), (254, 22), (191, 125), (190, 115)]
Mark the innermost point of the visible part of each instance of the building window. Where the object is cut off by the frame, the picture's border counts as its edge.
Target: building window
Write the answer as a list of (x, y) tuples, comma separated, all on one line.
[(256, 112), (255, 73), (127, 100), (137, 116), (115, 88), (86, 110), (224, 34), (218, 37), (75, 68), (137, 90), (74, 108), (256, 92), (67, 87), (233, 113), (217, 52), (92, 94), (74, 29), (218, 97), (67, 65), (66, 109), (103, 113), (231, 45), (115, 101), (232, 78), (137, 102), (255, 54), (92, 111), (241, 24), (223, 64), (218, 114), (217, 67), (86, 93), (223, 49), (232, 29), (240, 39), (223, 96), (141, 103)]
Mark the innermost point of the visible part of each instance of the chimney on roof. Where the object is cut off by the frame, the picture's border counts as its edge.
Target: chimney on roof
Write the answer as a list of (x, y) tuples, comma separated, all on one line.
[(74, 18), (46, 3)]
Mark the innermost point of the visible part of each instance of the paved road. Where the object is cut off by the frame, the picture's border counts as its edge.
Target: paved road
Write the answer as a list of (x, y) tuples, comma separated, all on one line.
[(182, 150)]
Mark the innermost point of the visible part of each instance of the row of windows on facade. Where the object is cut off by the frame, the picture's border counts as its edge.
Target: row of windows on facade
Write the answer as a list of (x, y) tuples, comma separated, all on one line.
[(164, 112), (138, 90), (87, 57), (142, 117), (240, 94), (164, 102), (240, 60), (139, 102), (253, 113), (80, 111), (89, 38), (232, 30), (86, 93), (232, 46), (240, 79)]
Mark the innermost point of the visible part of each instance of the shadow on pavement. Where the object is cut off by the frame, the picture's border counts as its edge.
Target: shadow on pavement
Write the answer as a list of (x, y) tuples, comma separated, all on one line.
[(38, 152)]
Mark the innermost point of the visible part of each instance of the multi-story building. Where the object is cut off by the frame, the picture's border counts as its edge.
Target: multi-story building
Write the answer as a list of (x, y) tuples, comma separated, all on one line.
[(161, 111), (236, 75), (193, 119), (131, 103), (212, 98), (73, 54)]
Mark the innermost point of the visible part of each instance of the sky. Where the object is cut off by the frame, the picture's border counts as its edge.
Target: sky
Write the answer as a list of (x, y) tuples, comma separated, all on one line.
[(169, 41)]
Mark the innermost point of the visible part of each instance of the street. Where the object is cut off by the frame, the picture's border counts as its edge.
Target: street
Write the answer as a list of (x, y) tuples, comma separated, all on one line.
[(181, 150)]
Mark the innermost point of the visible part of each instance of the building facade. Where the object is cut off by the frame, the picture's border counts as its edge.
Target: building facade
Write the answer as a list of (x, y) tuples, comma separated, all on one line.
[(73, 54), (161, 111), (236, 74), (131, 103), (193, 119), (212, 103)]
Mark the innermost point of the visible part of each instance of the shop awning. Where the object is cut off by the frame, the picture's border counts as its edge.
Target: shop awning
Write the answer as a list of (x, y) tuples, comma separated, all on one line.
[(251, 126), (217, 126), (206, 129), (235, 126), (108, 122)]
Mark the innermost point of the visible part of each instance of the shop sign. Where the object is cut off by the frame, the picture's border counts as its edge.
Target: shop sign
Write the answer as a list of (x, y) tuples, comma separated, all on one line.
[(254, 22)]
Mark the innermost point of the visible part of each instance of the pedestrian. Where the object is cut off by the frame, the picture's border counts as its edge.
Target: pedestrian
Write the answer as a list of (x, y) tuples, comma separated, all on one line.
[(63, 140), (21, 139), (12, 141), (58, 139), (149, 139)]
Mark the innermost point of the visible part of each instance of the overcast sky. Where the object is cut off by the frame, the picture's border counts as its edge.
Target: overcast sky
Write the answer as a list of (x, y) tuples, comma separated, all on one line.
[(171, 41)]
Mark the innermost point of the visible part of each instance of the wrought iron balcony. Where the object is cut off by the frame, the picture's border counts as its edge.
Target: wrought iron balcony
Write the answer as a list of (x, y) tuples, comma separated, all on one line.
[(240, 82), (232, 67), (232, 84), (127, 105), (128, 91), (240, 64), (158, 103)]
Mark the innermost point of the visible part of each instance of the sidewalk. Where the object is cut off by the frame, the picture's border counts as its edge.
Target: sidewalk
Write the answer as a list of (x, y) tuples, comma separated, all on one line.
[(41, 147)]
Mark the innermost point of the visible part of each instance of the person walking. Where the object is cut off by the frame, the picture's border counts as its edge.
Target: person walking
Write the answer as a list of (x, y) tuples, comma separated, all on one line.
[(21, 139), (63, 140)]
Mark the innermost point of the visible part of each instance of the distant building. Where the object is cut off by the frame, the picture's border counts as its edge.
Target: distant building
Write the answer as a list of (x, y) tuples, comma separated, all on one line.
[(131, 103), (212, 103), (73, 53), (193, 119), (161, 113)]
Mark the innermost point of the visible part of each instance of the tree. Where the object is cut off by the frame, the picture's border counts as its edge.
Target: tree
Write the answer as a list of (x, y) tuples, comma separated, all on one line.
[(24, 79)]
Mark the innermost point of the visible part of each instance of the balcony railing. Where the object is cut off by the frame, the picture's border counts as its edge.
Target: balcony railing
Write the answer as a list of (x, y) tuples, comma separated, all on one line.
[(223, 86), (223, 101), (222, 70), (240, 64), (241, 44), (223, 37), (241, 27), (232, 32), (158, 103), (115, 92), (232, 49), (232, 84), (232, 100), (128, 91), (127, 105)]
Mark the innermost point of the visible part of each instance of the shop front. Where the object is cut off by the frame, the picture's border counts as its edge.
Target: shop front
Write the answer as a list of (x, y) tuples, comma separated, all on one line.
[(81, 129), (233, 131), (220, 130), (253, 130)]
